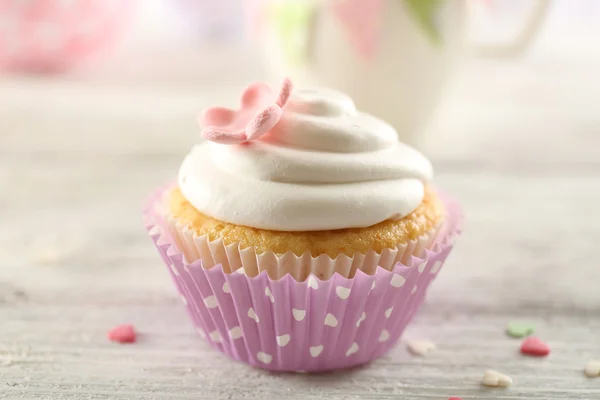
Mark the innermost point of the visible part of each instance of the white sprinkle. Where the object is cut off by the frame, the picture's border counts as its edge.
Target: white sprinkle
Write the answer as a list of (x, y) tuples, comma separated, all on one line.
[(420, 347), (592, 369), (493, 378)]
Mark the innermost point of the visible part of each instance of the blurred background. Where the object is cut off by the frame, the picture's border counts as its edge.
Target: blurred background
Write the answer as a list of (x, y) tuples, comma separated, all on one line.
[(99, 98), (157, 63)]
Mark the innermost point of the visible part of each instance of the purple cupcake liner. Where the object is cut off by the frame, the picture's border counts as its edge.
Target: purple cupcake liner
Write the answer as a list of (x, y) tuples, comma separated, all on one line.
[(315, 325)]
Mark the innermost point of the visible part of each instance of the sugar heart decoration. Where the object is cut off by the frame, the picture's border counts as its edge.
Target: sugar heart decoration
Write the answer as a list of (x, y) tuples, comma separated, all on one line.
[(122, 334), (420, 347), (496, 379), (592, 369), (519, 329), (533, 346)]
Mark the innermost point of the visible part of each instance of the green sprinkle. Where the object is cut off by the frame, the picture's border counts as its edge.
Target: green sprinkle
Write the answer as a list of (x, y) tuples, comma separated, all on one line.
[(425, 12), (519, 329)]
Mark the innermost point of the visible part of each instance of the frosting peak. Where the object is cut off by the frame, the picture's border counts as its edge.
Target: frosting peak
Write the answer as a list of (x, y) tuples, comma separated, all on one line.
[(327, 120), (324, 166)]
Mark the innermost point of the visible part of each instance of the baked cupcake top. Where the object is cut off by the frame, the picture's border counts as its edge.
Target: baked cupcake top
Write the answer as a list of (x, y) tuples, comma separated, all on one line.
[(305, 162)]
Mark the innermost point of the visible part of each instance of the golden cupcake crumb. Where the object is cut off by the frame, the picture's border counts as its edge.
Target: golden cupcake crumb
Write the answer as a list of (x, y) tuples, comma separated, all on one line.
[(386, 234)]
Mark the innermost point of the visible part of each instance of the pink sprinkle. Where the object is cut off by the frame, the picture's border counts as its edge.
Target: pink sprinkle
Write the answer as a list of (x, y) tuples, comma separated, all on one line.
[(122, 334), (533, 346)]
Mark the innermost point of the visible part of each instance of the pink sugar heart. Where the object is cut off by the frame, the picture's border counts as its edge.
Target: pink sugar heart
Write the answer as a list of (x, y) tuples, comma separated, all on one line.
[(533, 346), (122, 334)]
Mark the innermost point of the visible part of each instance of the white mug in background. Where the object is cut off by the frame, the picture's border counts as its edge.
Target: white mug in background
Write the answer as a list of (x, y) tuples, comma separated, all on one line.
[(402, 79)]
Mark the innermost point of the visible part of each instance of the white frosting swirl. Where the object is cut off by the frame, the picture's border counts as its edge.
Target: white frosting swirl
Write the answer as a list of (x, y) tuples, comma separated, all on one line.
[(325, 166)]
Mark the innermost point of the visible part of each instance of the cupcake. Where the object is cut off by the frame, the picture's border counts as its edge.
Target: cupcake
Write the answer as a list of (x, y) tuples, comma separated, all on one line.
[(301, 235)]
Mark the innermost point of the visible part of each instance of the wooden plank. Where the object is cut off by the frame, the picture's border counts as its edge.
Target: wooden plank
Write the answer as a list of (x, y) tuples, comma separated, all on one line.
[(75, 259)]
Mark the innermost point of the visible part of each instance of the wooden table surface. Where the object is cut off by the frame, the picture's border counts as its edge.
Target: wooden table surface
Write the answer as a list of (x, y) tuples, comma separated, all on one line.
[(520, 151)]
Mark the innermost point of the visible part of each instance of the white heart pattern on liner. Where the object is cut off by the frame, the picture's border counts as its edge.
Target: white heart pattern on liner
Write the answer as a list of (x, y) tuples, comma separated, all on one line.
[(298, 314), (388, 312), (496, 379), (372, 287), (226, 287), (316, 350), (331, 320), (175, 271), (420, 347), (592, 369), (436, 267), (342, 292), (421, 267), (241, 271), (183, 300), (283, 340), (269, 294), (211, 301), (252, 314), (385, 335), (312, 282), (397, 280), (215, 336), (414, 290), (201, 332), (264, 357), (361, 319), (235, 332), (353, 349)]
